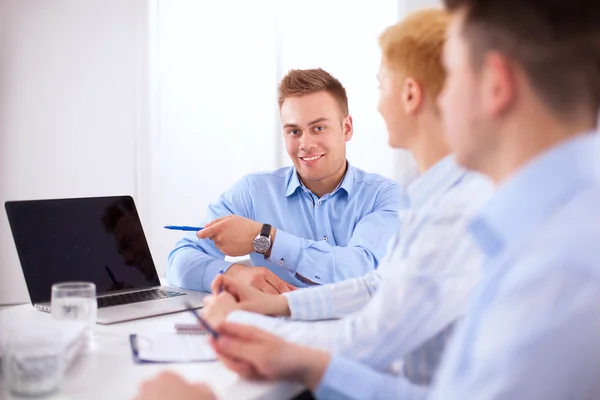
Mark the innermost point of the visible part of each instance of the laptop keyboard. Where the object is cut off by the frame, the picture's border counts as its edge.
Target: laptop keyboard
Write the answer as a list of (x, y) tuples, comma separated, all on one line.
[(136, 297)]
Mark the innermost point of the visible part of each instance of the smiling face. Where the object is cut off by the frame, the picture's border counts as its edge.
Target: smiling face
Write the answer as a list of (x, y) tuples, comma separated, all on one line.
[(315, 132)]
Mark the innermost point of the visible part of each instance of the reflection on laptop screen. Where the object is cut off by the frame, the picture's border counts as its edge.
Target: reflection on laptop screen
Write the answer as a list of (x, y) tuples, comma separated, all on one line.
[(98, 240)]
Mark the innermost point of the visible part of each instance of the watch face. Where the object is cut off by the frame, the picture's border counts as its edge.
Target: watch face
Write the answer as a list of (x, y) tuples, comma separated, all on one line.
[(262, 244)]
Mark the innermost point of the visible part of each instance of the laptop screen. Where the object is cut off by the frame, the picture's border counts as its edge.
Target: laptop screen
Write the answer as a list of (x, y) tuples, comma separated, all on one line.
[(98, 240)]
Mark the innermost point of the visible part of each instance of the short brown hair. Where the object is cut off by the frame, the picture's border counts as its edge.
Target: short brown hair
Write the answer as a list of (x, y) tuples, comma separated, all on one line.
[(300, 82), (414, 47), (555, 42)]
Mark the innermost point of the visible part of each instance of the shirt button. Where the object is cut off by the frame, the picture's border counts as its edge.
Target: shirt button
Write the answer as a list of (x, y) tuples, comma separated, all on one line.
[(325, 238), (281, 262), (319, 202)]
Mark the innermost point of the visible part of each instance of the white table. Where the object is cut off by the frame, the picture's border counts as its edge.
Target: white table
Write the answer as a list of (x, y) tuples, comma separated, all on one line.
[(107, 370)]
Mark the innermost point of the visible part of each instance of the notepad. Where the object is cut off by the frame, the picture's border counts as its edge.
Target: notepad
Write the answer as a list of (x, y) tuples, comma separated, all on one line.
[(171, 348)]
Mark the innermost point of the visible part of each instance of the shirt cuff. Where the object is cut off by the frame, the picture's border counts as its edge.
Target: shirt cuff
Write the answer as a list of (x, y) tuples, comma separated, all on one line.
[(310, 304), (286, 251)]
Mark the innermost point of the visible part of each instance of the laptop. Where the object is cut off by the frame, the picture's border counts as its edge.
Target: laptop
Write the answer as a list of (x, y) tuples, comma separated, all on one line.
[(95, 239)]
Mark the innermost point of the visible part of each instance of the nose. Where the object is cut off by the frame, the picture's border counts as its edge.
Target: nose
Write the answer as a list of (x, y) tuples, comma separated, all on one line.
[(306, 143)]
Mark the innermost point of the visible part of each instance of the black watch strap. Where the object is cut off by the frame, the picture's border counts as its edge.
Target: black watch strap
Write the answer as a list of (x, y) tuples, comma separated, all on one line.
[(266, 230)]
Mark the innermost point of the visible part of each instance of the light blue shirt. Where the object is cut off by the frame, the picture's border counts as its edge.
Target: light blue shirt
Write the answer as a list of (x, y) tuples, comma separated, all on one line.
[(338, 236), (534, 329), (396, 320)]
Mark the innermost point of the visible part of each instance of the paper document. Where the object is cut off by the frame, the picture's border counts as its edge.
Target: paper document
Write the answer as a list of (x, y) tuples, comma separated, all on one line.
[(171, 347)]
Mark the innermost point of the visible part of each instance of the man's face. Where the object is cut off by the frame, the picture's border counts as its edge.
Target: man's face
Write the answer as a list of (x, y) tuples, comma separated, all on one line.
[(315, 135), (391, 109), (461, 101)]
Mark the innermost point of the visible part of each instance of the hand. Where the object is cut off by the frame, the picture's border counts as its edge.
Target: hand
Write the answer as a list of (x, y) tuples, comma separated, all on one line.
[(255, 354), (233, 235), (168, 385), (218, 307), (250, 298), (259, 277)]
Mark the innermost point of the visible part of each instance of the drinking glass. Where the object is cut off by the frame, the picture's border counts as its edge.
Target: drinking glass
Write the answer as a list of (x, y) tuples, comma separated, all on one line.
[(75, 301), (33, 361)]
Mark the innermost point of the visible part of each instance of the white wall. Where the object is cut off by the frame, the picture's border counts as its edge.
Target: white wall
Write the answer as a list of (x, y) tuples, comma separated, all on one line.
[(72, 105)]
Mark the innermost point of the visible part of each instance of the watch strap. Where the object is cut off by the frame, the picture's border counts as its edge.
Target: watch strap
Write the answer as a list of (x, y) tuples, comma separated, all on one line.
[(266, 230)]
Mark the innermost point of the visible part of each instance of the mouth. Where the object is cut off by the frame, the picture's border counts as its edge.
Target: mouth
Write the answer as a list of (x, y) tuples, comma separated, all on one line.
[(311, 159)]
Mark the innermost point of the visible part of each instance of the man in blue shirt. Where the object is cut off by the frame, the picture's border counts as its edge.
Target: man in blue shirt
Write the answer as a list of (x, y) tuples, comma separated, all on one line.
[(317, 222)]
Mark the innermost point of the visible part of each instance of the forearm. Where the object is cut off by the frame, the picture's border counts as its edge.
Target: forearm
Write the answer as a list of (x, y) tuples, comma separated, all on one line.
[(334, 300), (319, 262), (191, 267), (316, 334)]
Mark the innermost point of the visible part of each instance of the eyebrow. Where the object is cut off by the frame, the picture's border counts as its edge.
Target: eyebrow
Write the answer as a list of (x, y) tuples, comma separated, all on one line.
[(316, 121)]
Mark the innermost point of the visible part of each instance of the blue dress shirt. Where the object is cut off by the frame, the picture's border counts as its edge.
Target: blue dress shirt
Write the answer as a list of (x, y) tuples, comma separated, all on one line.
[(534, 330), (340, 235)]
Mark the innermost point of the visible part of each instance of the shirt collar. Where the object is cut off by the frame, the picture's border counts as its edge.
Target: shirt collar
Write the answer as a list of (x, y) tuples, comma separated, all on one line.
[(347, 184), (437, 179), (522, 202)]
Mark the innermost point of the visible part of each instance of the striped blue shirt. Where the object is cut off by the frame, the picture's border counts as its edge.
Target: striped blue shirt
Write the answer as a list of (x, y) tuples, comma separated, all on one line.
[(405, 311), (534, 329), (342, 234)]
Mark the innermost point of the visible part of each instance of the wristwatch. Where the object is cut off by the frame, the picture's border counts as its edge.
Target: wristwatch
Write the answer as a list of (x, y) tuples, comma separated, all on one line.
[(262, 243)]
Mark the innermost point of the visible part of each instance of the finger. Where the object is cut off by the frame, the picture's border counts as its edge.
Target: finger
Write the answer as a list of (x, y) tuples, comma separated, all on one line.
[(217, 220), (208, 300), (243, 369), (291, 287), (207, 232), (277, 283), (264, 286), (217, 284), (242, 350)]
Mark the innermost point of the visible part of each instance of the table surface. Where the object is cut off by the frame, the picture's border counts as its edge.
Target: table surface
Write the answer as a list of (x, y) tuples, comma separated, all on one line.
[(106, 370)]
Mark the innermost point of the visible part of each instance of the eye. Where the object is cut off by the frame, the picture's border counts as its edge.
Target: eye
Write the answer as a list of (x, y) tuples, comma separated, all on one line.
[(319, 128), (294, 132)]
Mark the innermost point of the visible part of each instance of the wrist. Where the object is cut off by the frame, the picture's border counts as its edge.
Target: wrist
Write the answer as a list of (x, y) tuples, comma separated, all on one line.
[(234, 269), (312, 366), (280, 306)]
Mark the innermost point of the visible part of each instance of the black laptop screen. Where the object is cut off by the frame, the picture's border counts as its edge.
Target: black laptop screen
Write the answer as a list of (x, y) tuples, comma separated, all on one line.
[(98, 240)]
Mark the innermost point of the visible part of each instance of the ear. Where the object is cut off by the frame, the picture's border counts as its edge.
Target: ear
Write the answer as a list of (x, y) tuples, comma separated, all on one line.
[(498, 84), (348, 127), (412, 96)]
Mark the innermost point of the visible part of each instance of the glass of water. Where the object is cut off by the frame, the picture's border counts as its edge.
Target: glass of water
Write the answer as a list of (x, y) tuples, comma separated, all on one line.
[(33, 361), (75, 301)]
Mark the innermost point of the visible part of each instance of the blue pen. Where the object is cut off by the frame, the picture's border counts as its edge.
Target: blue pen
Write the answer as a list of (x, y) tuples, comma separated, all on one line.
[(221, 272), (205, 324), (184, 228)]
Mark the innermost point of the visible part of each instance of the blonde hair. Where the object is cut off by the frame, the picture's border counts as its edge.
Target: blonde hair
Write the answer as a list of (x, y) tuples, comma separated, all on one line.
[(300, 82), (413, 47)]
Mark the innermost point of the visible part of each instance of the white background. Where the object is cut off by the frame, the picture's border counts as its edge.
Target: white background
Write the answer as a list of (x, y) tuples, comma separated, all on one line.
[(169, 100)]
